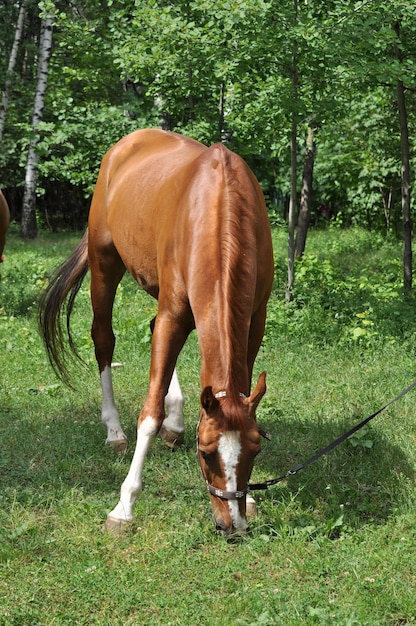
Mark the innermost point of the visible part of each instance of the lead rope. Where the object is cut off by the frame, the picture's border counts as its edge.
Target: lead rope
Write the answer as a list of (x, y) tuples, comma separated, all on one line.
[(273, 481)]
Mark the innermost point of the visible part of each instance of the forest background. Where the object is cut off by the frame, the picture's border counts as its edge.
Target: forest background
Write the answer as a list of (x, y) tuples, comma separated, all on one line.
[(319, 98), (314, 95)]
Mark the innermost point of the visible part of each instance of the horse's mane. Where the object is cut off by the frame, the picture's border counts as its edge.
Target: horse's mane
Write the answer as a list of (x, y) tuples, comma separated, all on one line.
[(232, 414), (238, 253)]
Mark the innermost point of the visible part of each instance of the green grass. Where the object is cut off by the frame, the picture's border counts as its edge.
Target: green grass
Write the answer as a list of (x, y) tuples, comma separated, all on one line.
[(334, 544)]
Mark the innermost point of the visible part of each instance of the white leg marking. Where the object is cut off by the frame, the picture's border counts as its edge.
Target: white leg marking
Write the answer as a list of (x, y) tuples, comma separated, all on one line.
[(174, 404), (229, 449), (109, 414), (132, 484), (251, 508)]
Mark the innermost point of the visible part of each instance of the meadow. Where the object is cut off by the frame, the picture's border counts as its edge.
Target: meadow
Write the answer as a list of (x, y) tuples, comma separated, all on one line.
[(334, 544)]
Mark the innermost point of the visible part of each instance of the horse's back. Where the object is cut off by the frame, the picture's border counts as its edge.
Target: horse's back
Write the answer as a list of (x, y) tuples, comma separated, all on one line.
[(164, 199), (4, 222), (141, 163), (140, 176)]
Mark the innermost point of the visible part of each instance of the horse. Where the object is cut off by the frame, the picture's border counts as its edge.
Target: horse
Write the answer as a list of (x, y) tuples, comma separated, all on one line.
[(189, 223), (4, 223)]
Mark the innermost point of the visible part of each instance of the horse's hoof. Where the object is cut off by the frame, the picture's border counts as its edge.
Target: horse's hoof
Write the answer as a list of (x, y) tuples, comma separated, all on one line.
[(251, 508), (171, 439), (115, 526), (119, 445)]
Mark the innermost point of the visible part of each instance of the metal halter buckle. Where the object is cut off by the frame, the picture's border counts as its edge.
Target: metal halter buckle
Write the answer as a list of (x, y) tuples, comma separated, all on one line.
[(227, 495)]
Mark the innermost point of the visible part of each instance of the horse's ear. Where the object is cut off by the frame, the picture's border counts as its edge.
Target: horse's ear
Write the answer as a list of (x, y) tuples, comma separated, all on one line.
[(257, 393), (208, 401)]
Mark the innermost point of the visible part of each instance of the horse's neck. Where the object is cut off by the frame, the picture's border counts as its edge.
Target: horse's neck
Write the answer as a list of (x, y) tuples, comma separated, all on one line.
[(223, 356), (222, 300)]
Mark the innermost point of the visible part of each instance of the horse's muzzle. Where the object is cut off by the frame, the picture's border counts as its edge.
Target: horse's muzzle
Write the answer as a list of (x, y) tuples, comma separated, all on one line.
[(230, 532)]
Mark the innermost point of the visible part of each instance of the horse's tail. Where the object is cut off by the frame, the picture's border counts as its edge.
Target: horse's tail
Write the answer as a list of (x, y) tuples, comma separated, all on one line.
[(57, 302)]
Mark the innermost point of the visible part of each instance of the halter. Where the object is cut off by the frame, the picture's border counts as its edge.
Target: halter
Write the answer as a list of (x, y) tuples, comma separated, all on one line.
[(220, 493), (226, 495), (223, 394)]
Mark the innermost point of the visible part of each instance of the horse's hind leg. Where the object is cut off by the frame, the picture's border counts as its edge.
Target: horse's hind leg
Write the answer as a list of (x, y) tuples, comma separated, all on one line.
[(109, 413), (107, 270), (173, 427)]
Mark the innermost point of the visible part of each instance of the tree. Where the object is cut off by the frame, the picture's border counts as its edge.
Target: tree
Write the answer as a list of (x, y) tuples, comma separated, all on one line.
[(293, 163), (221, 70), (199, 51), (28, 223), (305, 195), (18, 33), (406, 176), (378, 45)]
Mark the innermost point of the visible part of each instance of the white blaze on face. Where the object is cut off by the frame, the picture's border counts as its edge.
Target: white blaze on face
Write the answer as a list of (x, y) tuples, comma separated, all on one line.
[(229, 449)]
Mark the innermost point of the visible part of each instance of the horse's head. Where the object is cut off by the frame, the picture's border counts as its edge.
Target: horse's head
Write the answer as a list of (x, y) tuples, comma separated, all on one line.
[(228, 442)]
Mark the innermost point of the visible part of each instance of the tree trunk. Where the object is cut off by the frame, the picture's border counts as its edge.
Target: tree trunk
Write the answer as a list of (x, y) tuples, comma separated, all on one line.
[(292, 214), (18, 33), (405, 187), (28, 228), (293, 170), (306, 195), (221, 112), (406, 213)]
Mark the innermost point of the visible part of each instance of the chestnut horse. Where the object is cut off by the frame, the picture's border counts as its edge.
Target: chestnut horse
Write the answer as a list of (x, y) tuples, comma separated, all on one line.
[(190, 225), (4, 223)]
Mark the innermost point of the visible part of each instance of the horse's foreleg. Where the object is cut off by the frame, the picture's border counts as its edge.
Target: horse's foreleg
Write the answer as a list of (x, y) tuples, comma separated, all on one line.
[(168, 339), (132, 485), (254, 342)]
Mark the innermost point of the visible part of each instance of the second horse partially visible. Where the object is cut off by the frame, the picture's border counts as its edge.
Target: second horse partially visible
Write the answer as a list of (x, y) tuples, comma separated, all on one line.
[(4, 224), (190, 225)]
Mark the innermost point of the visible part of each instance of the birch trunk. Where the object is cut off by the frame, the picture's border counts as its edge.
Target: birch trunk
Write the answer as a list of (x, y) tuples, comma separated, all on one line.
[(28, 228), (18, 33), (305, 196), (293, 170)]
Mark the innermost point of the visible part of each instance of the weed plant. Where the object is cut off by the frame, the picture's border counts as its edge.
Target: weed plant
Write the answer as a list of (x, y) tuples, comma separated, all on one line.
[(334, 544)]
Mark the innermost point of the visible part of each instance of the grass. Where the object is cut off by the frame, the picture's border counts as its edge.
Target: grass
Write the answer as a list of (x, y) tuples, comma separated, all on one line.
[(334, 544)]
